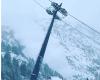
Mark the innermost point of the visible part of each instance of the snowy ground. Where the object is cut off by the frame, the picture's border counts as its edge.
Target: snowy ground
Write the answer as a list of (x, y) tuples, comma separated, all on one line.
[(55, 78), (24, 16)]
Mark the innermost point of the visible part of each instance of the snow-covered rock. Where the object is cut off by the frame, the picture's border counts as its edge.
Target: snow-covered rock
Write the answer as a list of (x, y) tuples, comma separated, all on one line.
[(55, 78)]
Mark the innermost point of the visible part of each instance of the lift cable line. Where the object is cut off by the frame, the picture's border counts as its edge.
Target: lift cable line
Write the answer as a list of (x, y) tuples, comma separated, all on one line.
[(80, 21), (81, 32), (70, 16), (72, 26), (39, 4), (83, 23)]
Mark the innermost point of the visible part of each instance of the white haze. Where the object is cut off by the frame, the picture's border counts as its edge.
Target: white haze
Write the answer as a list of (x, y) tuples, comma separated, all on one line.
[(23, 17)]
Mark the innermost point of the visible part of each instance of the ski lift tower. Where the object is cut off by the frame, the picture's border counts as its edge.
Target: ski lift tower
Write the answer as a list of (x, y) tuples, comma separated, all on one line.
[(39, 60)]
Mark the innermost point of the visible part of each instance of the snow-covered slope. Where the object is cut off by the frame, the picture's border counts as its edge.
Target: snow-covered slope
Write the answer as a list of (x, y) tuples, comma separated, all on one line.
[(73, 53), (55, 78), (81, 51), (17, 66)]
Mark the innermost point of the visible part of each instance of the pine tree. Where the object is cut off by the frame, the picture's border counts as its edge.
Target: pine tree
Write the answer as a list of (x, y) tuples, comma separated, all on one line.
[(16, 69), (23, 69), (7, 67)]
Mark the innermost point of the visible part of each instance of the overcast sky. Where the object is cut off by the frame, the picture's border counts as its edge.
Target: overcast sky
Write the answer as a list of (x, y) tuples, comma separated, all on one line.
[(23, 17), (86, 10)]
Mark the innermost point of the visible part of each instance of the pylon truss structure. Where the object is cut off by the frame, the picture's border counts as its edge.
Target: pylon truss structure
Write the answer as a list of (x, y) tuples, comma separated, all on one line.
[(53, 8)]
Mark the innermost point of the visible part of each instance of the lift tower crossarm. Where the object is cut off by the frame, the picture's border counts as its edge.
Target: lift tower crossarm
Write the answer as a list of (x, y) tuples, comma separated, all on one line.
[(39, 60)]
